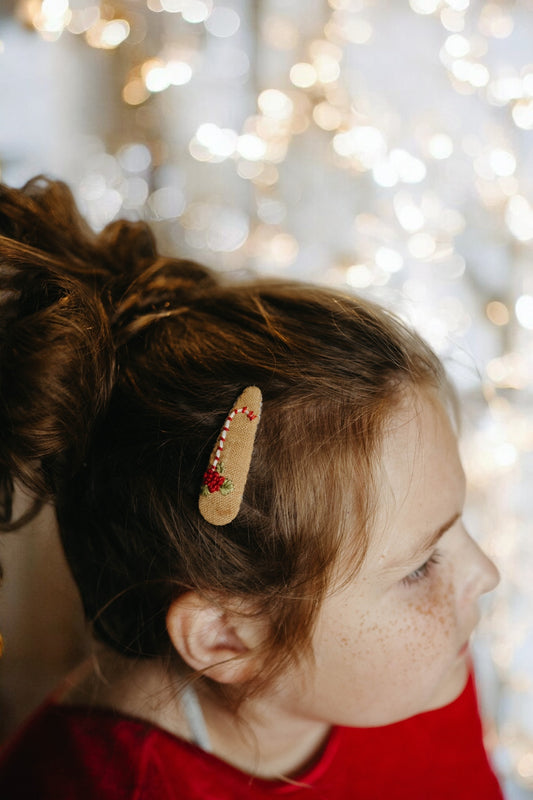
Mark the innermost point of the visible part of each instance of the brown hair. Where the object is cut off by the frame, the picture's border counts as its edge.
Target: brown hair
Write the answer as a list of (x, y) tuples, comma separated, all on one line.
[(117, 369)]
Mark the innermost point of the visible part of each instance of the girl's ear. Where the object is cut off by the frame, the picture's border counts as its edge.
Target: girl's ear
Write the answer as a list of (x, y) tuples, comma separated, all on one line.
[(213, 640)]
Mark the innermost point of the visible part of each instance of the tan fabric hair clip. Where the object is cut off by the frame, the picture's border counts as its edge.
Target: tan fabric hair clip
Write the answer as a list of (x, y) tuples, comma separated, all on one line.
[(225, 478)]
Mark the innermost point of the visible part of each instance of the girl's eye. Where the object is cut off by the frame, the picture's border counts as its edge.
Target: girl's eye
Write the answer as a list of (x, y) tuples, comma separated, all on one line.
[(423, 571)]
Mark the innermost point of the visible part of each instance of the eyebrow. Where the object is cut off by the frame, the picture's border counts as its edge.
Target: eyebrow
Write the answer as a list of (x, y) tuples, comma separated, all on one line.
[(433, 538), (427, 544)]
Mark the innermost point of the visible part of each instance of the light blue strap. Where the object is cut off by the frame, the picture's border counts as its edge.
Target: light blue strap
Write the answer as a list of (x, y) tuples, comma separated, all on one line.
[(195, 718)]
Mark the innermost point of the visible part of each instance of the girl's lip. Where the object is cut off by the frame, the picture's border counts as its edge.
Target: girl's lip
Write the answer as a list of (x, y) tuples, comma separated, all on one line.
[(464, 649)]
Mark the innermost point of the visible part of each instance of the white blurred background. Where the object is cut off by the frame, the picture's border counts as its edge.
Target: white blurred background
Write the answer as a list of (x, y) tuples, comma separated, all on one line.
[(378, 145)]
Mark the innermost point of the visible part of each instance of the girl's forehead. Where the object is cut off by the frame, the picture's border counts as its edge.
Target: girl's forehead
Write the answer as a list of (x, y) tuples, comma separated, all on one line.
[(420, 481)]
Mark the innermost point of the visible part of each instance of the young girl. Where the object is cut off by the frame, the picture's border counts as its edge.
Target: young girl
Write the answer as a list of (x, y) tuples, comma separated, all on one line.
[(259, 493)]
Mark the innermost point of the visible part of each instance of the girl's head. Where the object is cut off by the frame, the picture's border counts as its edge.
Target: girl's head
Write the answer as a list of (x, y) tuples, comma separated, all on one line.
[(393, 641), (118, 368)]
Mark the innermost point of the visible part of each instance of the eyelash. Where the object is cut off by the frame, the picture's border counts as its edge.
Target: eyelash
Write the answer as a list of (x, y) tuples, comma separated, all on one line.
[(423, 571)]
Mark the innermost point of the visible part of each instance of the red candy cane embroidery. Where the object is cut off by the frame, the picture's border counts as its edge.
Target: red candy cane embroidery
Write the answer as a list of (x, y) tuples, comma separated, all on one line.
[(214, 480)]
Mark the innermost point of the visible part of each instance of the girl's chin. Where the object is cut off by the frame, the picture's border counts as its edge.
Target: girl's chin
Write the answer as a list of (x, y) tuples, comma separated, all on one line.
[(454, 684)]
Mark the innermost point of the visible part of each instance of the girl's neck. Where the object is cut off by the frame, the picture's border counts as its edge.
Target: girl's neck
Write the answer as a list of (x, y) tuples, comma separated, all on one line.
[(266, 740)]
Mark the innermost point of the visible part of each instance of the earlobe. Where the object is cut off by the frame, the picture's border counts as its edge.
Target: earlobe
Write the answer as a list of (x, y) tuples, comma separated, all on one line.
[(211, 640)]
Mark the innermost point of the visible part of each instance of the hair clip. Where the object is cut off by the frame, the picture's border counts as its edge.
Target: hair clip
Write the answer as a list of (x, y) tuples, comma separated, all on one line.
[(225, 478)]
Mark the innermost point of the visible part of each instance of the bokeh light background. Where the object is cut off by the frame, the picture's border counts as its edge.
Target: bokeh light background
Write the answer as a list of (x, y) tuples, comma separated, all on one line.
[(381, 146)]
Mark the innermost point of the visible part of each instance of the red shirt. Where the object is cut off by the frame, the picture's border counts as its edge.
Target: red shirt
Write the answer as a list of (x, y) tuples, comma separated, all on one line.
[(95, 754)]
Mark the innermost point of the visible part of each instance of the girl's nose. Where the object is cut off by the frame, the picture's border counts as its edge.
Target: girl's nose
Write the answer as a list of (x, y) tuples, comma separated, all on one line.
[(481, 573)]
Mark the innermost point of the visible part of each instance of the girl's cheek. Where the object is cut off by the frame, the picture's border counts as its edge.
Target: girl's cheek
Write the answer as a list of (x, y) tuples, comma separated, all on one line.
[(432, 606)]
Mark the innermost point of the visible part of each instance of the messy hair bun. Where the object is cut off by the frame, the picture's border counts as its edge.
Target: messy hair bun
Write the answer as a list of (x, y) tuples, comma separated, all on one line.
[(117, 370), (56, 355)]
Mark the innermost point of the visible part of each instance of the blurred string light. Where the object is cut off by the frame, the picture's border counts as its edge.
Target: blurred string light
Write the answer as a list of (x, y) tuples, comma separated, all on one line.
[(318, 96), (408, 241)]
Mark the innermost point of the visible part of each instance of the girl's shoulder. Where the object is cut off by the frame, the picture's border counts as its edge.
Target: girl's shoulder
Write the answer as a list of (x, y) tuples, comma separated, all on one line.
[(66, 751), (94, 753)]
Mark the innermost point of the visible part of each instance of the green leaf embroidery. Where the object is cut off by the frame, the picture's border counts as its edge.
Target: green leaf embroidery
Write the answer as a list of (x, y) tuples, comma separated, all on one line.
[(226, 487)]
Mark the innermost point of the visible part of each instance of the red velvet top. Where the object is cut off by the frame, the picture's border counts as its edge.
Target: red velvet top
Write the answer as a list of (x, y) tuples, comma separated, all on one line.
[(95, 754)]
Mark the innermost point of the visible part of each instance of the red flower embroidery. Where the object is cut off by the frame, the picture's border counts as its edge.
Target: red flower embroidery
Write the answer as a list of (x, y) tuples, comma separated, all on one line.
[(214, 480)]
